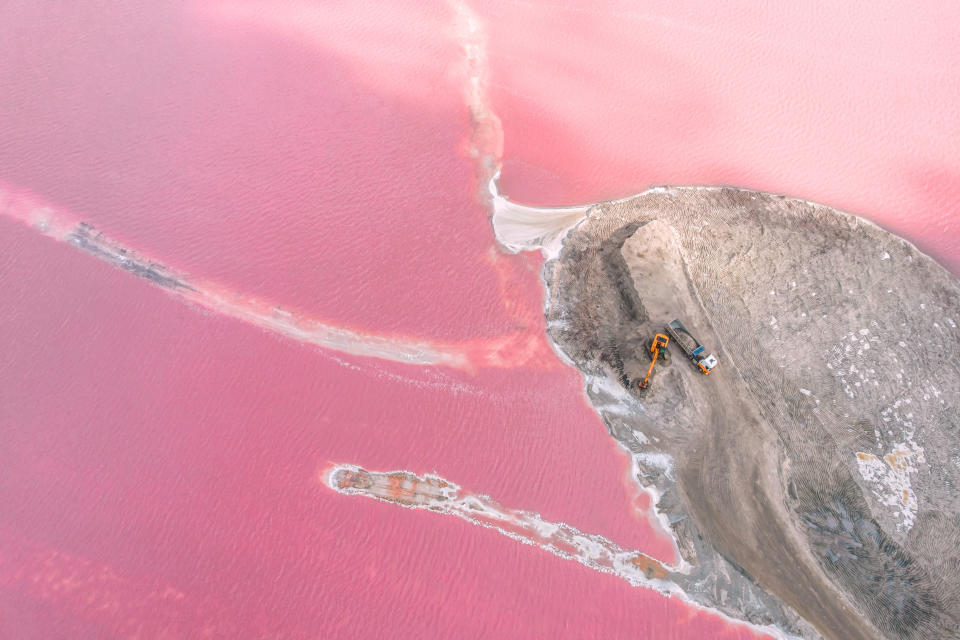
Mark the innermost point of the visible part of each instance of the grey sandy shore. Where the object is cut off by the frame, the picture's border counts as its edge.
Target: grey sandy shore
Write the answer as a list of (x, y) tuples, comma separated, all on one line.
[(811, 479)]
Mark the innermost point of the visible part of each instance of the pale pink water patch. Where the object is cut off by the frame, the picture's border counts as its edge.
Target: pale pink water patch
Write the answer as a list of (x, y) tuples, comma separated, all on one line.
[(854, 107)]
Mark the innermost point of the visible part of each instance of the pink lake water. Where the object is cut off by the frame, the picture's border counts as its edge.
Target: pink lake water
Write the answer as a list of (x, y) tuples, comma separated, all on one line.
[(158, 468)]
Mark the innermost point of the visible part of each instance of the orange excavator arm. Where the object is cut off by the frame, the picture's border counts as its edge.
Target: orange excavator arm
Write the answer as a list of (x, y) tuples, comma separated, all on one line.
[(659, 343)]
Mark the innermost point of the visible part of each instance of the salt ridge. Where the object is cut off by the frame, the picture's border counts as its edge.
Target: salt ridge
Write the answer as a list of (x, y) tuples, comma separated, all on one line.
[(560, 539)]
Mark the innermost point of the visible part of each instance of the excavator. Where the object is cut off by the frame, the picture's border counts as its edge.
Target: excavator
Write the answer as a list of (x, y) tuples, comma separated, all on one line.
[(658, 348)]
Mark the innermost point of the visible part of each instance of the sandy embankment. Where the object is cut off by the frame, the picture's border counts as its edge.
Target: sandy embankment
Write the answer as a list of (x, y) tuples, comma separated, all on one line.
[(811, 473)]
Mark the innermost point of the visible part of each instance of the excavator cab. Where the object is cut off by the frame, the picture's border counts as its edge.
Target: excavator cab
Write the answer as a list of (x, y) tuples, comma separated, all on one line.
[(659, 345)]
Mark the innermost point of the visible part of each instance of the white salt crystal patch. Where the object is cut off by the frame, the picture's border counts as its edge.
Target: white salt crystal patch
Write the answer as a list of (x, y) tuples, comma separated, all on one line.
[(661, 461)]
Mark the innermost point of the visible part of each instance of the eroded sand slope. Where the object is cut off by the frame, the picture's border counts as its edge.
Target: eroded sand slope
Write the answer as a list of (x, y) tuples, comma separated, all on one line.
[(819, 462)]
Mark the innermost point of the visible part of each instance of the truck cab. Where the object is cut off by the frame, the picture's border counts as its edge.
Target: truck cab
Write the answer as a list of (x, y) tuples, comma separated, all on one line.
[(707, 363)]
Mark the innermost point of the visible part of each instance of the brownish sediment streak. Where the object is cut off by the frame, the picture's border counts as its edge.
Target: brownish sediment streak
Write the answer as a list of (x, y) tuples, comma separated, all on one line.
[(485, 143), (522, 348)]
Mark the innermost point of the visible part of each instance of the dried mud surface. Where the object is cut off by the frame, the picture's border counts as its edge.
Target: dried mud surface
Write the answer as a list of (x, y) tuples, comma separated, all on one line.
[(812, 478)]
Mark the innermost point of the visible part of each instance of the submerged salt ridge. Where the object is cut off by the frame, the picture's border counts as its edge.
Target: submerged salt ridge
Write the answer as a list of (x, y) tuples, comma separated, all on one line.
[(509, 350), (436, 494)]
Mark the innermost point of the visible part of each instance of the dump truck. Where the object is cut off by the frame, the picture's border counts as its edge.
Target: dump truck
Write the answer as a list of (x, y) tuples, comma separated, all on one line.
[(691, 346), (657, 348)]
